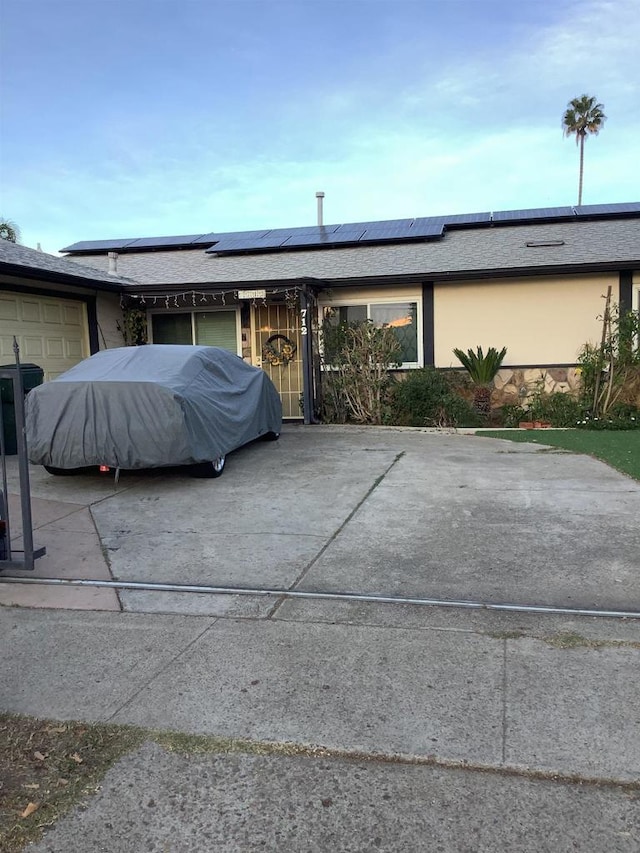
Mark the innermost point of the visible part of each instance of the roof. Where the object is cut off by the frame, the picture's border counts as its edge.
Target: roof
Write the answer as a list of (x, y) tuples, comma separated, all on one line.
[(21, 260), (579, 245)]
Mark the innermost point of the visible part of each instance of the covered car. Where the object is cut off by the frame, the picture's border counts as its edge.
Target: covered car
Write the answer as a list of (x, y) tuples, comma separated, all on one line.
[(151, 406)]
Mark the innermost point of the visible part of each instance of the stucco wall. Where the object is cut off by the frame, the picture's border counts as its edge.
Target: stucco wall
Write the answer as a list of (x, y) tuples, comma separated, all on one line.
[(109, 315), (541, 321)]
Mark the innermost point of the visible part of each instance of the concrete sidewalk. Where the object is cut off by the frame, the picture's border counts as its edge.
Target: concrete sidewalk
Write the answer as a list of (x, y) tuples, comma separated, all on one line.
[(520, 744), (460, 695)]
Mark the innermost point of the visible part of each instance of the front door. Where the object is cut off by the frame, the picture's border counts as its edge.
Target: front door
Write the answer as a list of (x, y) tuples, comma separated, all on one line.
[(279, 352)]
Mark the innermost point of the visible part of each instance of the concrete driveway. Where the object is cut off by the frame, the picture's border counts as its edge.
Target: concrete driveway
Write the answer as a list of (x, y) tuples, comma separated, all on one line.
[(378, 511)]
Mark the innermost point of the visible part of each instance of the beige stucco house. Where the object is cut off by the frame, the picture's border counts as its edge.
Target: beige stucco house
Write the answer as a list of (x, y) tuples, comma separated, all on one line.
[(530, 280)]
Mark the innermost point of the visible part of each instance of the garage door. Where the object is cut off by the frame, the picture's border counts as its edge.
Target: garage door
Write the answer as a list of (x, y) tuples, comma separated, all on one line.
[(51, 332)]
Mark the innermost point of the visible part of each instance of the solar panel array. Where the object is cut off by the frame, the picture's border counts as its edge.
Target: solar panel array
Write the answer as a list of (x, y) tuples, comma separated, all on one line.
[(140, 243), (353, 233), (331, 235)]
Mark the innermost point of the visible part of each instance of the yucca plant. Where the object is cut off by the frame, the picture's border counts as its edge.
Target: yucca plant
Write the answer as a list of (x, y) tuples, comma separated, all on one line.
[(482, 370)]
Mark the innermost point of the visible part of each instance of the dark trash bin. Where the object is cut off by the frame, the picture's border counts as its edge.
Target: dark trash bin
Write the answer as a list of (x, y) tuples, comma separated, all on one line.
[(32, 375)]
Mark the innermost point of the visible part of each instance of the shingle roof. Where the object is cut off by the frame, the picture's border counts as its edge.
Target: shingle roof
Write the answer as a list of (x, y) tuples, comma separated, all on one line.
[(579, 245), (31, 261)]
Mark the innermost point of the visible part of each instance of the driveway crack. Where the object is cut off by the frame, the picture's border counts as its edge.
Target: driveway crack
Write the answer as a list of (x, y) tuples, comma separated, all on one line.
[(337, 532)]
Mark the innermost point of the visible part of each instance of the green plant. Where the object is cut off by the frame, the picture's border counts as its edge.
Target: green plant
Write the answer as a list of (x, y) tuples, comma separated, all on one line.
[(426, 398), (133, 327), (482, 369), (356, 360), (611, 371), (621, 416), (512, 415), (559, 409)]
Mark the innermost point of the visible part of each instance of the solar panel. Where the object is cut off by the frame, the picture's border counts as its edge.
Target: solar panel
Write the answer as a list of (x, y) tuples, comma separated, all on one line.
[(622, 207), (390, 232), (247, 245), (331, 239), (161, 242), (463, 218), (99, 245), (420, 230), (533, 213), (427, 229)]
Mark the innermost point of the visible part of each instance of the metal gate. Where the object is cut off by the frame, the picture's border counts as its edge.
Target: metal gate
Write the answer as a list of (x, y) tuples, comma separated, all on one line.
[(279, 353)]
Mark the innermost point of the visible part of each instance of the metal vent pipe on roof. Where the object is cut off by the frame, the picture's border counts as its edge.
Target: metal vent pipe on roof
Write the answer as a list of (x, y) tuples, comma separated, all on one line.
[(113, 263), (320, 197)]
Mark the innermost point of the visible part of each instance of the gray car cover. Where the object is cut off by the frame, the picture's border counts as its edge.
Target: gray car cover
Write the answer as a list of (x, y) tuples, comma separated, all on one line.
[(150, 406)]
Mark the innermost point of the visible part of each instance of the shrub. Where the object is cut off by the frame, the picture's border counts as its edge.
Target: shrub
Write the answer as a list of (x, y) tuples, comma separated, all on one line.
[(559, 409), (513, 415), (357, 358), (611, 371), (425, 398), (620, 416)]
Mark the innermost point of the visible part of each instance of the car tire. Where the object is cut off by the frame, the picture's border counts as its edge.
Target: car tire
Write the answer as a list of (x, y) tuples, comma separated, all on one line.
[(271, 436), (209, 470), (61, 472)]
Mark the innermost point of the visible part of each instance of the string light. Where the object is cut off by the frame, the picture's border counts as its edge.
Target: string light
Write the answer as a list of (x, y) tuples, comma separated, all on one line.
[(192, 297)]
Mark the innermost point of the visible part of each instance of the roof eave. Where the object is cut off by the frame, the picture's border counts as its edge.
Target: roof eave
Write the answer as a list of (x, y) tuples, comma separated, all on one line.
[(39, 274)]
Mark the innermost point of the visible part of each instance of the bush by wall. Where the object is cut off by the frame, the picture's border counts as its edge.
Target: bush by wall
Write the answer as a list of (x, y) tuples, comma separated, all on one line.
[(426, 398)]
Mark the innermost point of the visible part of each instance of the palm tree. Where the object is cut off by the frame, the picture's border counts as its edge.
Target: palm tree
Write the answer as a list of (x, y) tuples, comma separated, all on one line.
[(583, 115), (9, 230)]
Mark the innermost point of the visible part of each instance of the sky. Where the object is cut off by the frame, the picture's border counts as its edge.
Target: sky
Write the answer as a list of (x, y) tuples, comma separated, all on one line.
[(139, 118)]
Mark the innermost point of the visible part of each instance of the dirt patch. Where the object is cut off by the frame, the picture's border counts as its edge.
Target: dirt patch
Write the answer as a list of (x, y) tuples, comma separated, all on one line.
[(46, 767)]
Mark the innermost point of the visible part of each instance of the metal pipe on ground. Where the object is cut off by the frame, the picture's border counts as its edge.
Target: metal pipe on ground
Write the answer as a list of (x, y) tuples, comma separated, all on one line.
[(327, 596)]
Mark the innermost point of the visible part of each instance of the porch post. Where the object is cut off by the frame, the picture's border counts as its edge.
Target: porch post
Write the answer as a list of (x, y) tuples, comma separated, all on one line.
[(306, 304)]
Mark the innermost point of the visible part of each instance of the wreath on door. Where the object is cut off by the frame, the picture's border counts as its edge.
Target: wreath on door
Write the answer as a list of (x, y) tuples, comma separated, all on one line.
[(278, 349)]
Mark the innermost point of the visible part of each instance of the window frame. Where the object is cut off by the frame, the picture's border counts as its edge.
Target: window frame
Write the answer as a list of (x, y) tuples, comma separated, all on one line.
[(368, 302), (193, 311)]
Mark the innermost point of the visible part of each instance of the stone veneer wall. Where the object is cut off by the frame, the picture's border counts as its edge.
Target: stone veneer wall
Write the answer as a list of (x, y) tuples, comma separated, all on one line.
[(517, 385)]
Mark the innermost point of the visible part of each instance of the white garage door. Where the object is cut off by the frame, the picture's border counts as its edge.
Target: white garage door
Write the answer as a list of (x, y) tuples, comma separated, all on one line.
[(52, 333)]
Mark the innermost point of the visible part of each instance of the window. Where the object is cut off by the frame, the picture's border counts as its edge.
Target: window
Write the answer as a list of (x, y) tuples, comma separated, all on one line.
[(208, 328), (402, 317), (171, 328)]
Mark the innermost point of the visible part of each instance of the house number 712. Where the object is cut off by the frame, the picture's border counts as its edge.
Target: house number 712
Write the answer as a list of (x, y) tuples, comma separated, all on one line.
[(303, 321)]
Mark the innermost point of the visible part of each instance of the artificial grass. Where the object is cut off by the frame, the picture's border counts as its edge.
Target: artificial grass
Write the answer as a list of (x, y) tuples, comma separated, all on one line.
[(618, 448)]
